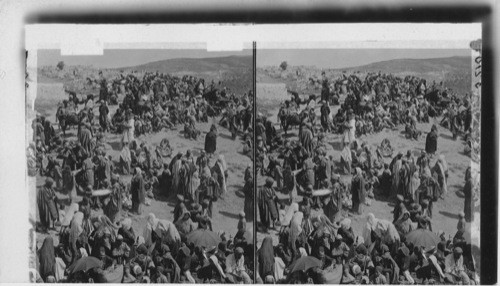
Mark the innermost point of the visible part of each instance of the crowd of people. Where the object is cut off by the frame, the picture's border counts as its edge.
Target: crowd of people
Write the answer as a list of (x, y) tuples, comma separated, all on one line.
[(91, 198), (315, 241)]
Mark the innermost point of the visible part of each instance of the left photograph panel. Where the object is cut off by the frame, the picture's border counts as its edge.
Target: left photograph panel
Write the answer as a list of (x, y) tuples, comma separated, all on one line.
[(139, 166)]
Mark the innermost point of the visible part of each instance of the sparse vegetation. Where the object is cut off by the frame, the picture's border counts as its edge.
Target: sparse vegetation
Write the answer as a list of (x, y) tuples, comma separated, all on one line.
[(283, 65), (60, 65)]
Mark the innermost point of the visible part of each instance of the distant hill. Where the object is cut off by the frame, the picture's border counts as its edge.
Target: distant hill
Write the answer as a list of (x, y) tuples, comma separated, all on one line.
[(455, 72), (234, 72), (444, 65), (197, 66)]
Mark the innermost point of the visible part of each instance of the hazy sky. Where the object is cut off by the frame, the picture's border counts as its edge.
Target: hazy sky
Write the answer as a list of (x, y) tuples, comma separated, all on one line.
[(127, 58), (322, 58), (341, 58)]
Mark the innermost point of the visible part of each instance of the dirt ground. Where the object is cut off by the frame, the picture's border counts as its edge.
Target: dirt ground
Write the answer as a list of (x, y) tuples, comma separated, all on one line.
[(445, 211), (225, 217)]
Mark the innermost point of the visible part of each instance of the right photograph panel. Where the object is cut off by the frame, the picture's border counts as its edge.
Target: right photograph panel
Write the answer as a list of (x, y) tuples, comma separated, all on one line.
[(367, 165)]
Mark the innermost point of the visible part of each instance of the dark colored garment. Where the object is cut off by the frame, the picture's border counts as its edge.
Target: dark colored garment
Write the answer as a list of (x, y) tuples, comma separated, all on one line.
[(211, 142), (248, 191), (468, 200), (47, 206), (267, 206), (265, 256), (88, 173), (128, 236), (47, 258), (431, 142), (85, 139), (137, 191), (103, 117), (358, 193)]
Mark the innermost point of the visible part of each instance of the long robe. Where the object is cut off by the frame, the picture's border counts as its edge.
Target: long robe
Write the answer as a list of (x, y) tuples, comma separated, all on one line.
[(88, 172), (176, 176), (85, 139), (439, 173), (211, 142), (128, 131), (267, 206), (221, 178), (431, 142), (265, 257), (306, 139), (47, 258), (468, 200), (47, 206), (358, 193), (346, 159), (413, 186), (350, 133), (194, 184), (137, 191), (248, 191), (396, 177)]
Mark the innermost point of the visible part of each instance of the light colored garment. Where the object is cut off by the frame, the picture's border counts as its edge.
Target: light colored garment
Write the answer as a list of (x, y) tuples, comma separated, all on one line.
[(296, 227), (221, 164), (294, 207), (383, 228), (128, 131), (453, 266), (68, 217), (279, 268), (234, 266), (163, 228), (60, 268)]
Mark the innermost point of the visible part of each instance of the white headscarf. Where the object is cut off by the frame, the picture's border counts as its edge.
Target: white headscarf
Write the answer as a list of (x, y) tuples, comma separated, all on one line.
[(164, 228)]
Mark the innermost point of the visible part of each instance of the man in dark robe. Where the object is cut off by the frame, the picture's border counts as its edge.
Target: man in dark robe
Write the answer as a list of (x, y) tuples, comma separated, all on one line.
[(85, 138), (468, 196), (47, 206), (137, 191), (306, 138), (49, 132), (325, 120), (358, 192), (431, 141), (88, 171), (268, 209), (103, 115), (211, 140), (248, 191)]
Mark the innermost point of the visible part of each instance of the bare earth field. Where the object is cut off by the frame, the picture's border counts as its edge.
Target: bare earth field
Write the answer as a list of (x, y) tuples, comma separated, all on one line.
[(226, 210), (445, 212)]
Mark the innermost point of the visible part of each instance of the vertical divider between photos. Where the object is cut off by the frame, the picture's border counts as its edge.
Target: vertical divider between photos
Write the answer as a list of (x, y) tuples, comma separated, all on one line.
[(254, 150)]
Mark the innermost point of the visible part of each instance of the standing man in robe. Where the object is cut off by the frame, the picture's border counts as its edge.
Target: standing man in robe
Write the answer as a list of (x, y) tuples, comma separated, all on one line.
[(103, 116), (137, 191), (358, 192), (211, 141), (268, 209), (431, 141), (47, 206)]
